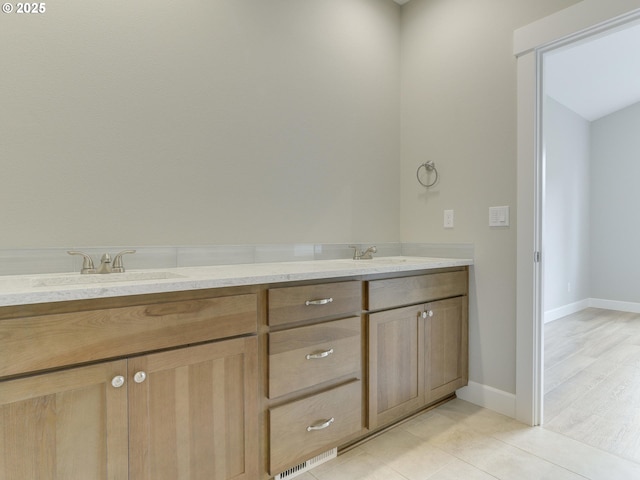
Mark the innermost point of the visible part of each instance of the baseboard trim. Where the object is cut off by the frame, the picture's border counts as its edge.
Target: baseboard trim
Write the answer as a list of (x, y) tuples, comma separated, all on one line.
[(556, 313), (560, 312), (489, 397), (631, 307)]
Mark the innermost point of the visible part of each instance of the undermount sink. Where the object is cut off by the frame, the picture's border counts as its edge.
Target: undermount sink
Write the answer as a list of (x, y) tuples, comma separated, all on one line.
[(389, 260), (380, 261), (91, 279)]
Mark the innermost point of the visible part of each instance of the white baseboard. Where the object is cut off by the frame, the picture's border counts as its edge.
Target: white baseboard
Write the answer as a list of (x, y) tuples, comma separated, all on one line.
[(614, 305), (556, 313), (489, 397)]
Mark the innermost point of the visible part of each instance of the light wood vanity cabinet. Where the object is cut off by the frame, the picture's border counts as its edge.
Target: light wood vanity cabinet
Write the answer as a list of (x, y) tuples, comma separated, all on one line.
[(70, 424), (237, 383), (418, 354), (195, 415), (188, 412), (446, 342), (314, 370)]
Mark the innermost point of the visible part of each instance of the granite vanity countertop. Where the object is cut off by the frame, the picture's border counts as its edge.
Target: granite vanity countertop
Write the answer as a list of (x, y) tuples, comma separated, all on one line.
[(45, 288)]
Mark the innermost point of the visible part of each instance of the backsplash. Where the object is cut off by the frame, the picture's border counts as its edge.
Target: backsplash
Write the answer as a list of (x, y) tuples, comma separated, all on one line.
[(56, 260)]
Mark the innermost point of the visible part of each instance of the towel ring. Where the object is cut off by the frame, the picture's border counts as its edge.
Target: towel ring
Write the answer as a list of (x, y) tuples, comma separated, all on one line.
[(429, 167)]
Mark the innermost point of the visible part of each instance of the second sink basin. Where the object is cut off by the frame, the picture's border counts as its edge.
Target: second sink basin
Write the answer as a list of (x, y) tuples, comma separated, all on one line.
[(380, 261)]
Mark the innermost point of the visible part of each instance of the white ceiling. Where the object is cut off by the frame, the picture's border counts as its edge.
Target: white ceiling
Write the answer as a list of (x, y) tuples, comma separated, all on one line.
[(597, 77)]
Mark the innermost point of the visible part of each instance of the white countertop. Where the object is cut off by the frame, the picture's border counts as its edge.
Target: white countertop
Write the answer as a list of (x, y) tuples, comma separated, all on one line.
[(32, 289)]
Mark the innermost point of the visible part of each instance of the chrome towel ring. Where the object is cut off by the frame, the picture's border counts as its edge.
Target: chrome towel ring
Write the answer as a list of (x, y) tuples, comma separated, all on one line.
[(429, 166)]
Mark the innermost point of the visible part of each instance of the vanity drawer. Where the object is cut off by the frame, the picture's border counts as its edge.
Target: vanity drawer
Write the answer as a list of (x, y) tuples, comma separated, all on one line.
[(295, 304), (48, 341), (394, 292), (312, 425), (303, 357)]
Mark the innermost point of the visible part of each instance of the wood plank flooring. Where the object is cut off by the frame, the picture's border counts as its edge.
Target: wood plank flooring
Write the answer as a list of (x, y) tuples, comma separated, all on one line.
[(592, 380)]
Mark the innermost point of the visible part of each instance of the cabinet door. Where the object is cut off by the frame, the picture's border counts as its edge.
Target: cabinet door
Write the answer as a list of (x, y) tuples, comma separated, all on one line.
[(446, 339), (193, 414), (396, 364), (68, 425)]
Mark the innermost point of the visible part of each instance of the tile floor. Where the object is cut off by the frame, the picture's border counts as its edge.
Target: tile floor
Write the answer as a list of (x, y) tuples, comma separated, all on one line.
[(592, 420), (459, 440)]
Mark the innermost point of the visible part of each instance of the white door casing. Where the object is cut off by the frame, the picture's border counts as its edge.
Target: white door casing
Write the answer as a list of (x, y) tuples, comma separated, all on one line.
[(576, 23)]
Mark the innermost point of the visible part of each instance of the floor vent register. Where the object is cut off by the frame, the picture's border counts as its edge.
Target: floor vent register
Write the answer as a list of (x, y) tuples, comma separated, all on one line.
[(307, 465)]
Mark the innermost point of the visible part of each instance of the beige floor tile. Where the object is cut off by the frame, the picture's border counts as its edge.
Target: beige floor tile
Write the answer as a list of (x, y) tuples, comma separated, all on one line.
[(571, 454), (359, 467), (306, 476), (506, 462), (337, 462), (408, 454), (445, 433), (459, 470), (592, 420), (476, 418)]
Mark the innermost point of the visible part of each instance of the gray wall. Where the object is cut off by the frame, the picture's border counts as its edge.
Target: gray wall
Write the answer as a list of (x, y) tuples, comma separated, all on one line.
[(226, 121), (459, 109), (566, 228), (615, 225), (256, 121), (591, 229)]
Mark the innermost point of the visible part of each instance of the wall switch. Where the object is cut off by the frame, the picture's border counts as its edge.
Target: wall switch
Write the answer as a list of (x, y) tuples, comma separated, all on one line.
[(499, 216), (448, 219)]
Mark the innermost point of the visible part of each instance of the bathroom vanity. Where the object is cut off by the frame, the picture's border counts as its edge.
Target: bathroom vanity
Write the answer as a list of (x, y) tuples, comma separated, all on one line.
[(203, 375)]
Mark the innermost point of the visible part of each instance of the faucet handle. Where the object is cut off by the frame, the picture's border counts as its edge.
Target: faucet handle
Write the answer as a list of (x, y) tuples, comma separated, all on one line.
[(118, 266), (87, 261)]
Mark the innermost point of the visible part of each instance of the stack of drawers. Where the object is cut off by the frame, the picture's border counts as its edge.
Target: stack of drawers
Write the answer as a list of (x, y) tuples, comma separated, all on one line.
[(315, 370)]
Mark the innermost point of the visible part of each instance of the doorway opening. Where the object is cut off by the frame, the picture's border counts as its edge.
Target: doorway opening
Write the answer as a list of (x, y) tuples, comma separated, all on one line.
[(582, 22), (591, 305)]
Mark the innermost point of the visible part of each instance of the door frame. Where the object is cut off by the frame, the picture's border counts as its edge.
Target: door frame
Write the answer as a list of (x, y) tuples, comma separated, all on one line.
[(581, 21)]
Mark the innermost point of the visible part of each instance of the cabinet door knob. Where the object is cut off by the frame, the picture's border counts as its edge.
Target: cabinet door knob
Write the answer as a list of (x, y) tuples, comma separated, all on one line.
[(321, 426), (139, 377), (117, 381), (427, 313)]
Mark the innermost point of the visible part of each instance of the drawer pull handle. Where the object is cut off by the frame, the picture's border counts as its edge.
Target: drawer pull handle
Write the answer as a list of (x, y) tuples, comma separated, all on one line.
[(321, 426), (314, 356), (323, 301)]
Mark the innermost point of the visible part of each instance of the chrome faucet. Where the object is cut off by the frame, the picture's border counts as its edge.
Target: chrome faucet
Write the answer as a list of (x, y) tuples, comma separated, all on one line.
[(106, 266), (366, 255)]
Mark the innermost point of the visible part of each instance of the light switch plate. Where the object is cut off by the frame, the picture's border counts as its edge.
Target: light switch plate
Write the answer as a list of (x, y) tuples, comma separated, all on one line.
[(499, 216), (448, 219)]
